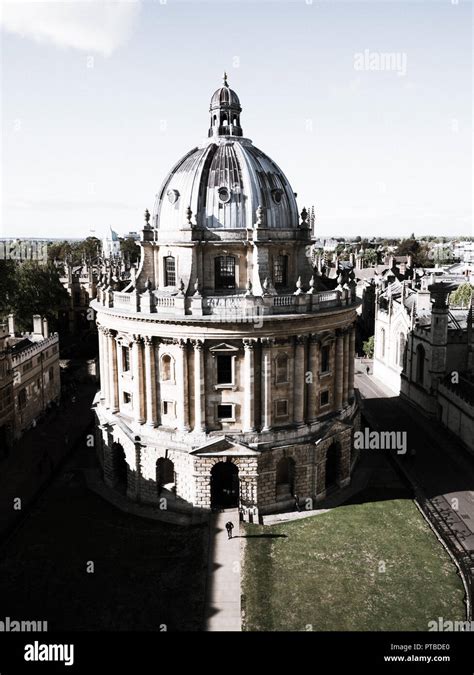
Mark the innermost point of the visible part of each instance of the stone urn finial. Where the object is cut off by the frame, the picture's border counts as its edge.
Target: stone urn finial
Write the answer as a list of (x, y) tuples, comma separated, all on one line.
[(260, 216), (298, 286), (189, 215)]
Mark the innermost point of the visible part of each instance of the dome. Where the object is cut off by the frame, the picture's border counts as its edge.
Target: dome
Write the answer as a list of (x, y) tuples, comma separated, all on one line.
[(226, 180), (224, 96)]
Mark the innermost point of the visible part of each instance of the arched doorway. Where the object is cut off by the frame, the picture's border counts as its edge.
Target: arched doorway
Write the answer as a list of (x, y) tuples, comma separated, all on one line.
[(285, 478), (120, 467), (224, 485), (165, 475), (332, 465)]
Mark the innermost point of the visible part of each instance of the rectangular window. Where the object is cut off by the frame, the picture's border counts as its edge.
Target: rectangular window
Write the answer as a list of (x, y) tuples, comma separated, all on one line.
[(127, 397), (282, 408), (167, 408), (125, 359), (224, 369), (280, 271), (22, 399), (225, 411), (170, 270), (51, 374), (324, 398), (224, 272), (324, 359)]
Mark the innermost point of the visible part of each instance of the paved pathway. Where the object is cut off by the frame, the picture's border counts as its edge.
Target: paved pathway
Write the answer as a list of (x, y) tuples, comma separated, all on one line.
[(223, 575), (440, 466)]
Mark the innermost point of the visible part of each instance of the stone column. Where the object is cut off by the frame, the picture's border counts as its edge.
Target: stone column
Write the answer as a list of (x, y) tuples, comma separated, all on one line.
[(266, 384), (107, 396), (350, 389), (150, 382), (339, 370), (182, 404), (249, 386), (102, 361), (137, 370), (300, 379), (113, 373), (199, 387), (345, 383), (313, 385)]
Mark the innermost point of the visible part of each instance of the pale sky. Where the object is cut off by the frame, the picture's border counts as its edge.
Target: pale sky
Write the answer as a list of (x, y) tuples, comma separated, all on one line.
[(99, 100)]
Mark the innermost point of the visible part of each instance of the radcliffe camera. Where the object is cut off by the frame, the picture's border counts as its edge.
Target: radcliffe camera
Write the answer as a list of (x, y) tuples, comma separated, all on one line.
[(236, 333)]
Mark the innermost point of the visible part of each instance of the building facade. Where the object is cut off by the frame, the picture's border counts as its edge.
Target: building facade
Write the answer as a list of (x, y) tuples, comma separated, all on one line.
[(29, 376), (424, 351), (226, 364)]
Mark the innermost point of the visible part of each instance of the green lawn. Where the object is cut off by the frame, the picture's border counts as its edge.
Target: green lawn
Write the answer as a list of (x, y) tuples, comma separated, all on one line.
[(327, 572)]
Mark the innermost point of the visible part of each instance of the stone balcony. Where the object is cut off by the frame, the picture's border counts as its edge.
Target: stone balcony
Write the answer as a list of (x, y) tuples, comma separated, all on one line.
[(229, 307)]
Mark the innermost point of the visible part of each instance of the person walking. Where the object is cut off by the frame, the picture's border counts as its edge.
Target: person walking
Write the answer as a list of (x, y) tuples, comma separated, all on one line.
[(368, 370), (297, 503), (229, 526)]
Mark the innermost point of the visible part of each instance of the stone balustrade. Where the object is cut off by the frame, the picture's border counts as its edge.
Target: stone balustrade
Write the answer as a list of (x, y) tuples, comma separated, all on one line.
[(224, 306)]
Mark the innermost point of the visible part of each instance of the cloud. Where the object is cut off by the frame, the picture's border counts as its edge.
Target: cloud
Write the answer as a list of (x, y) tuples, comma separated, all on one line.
[(99, 26)]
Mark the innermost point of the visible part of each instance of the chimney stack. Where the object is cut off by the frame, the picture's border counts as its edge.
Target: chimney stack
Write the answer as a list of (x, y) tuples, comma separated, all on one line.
[(37, 325), (11, 325), (45, 327)]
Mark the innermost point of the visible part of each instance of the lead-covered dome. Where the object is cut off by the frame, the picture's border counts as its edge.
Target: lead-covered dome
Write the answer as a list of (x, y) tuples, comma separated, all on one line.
[(226, 180)]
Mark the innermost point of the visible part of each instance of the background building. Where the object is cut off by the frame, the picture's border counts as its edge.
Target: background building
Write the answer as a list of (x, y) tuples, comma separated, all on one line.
[(29, 376)]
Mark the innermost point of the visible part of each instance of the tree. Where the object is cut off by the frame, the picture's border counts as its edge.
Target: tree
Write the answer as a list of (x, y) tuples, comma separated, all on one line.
[(129, 246), (7, 286), (37, 290), (461, 296), (368, 347), (370, 256)]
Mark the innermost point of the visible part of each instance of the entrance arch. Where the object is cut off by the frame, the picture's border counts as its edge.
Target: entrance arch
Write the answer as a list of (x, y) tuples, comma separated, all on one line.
[(165, 475), (120, 467), (332, 465), (224, 485)]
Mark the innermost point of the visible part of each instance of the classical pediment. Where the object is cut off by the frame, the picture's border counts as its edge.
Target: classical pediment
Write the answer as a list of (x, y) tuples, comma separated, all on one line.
[(222, 447), (224, 347)]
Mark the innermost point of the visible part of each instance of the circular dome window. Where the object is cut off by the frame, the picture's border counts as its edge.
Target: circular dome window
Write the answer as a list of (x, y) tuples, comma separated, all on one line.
[(173, 196), (224, 194), (277, 195)]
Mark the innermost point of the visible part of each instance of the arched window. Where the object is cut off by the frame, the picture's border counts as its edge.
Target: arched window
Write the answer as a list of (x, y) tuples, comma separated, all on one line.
[(166, 368), (281, 368), (285, 478), (280, 271), (169, 266), (224, 272), (401, 350), (420, 364), (332, 464), (382, 342), (119, 467)]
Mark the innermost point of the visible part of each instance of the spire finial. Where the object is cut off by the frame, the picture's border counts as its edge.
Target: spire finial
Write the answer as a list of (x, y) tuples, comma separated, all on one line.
[(225, 79)]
